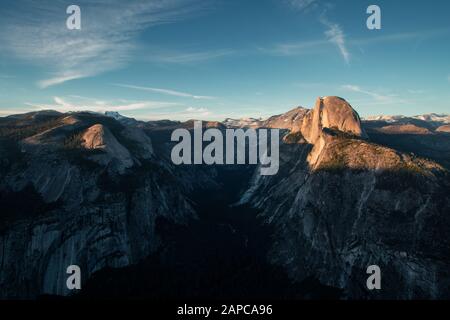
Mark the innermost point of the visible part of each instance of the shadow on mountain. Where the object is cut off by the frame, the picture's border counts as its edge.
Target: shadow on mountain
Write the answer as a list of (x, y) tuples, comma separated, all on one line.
[(432, 146), (220, 255)]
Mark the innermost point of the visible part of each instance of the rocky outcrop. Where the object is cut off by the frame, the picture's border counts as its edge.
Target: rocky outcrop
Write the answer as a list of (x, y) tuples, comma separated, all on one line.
[(100, 138), (341, 203), (362, 205), (444, 128), (62, 206), (243, 123), (328, 113), (404, 129), (333, 113), (290, 120)]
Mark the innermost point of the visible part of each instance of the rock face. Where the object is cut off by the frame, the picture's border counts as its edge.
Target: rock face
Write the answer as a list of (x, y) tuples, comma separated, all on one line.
[(341, 203), (243, 123), (368, 205), (404, 129), (85, 192), (290, 120), (99, 137), (333, 113), (444, 128), (328, 113)]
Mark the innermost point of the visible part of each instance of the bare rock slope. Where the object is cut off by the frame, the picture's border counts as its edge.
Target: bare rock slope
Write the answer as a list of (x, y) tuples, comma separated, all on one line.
[(341, 203), (78, 189)]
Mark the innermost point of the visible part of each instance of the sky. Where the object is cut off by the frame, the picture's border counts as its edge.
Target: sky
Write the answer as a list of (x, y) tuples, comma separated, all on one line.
[(213, 59)]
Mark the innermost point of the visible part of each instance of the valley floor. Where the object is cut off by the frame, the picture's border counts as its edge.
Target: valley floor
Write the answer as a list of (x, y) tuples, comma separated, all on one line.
[(221, 255)]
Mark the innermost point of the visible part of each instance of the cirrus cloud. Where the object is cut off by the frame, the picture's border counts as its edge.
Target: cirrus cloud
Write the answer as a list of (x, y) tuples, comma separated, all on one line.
[(36, 32), (64, 105), (169, 92)]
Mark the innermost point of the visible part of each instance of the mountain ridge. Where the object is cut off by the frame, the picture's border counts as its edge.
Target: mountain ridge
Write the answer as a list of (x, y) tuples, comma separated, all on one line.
[(344, 197)]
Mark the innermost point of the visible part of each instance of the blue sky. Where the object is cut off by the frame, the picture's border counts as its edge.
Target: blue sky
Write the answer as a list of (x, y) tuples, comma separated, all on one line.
[(183, 59)]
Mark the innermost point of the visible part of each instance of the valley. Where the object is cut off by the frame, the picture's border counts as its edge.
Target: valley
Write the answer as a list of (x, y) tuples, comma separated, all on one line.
[(220, 255), (108, 198)]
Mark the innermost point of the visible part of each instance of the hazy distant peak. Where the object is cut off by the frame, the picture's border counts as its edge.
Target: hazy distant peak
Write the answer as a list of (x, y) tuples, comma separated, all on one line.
[(433, 117), (243, 123), (114, 114), (117, 116)]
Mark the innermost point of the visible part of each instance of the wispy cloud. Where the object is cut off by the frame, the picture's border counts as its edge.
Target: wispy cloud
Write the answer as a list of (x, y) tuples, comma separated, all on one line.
[(294, 48), (302, 4), (65, 76), (7, 112), (64, 105), (336, 35), (377, 97), (320, 45), (191, 57), (186, 114), (192, 109), (400, 36), (333, 34), (166, 92), (36, 32)]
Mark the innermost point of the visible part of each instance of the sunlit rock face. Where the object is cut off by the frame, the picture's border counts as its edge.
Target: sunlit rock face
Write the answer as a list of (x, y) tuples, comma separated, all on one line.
[(444, 128), (341, 203), (99, 137), (333, 113)]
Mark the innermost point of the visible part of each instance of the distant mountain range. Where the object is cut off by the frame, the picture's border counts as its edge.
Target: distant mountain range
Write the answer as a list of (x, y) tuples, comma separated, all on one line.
[(253, 122), (100, 191), (432, 117)]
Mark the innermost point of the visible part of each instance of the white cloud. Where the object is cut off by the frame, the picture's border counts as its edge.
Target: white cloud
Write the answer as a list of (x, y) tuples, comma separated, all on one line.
[(187, 114), (295, 48), (379, 98), (302, 4), (358, 89), (166, 92), (63, 105), (336, 35), (36, 32), (401, 36), (7, 112), (320, 45), (192, 109), (61, 79)]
